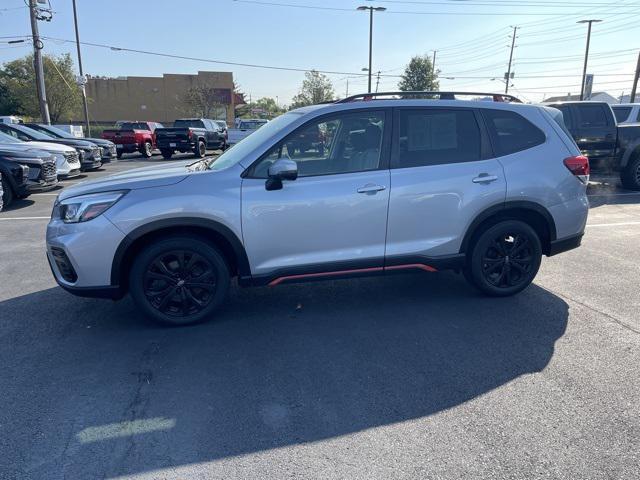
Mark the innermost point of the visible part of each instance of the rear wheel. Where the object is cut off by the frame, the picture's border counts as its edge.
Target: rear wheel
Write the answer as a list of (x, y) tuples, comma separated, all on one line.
[(179, 280), (166, 154), (201, 150), (147, 150), (505, 258), (630, 176), (7, 193)]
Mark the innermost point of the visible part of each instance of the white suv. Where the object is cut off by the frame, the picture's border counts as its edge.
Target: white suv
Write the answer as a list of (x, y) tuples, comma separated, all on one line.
[(387, 185)]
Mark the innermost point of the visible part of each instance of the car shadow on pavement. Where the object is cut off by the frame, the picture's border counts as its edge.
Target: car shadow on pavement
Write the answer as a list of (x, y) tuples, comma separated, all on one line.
[(93, 390)]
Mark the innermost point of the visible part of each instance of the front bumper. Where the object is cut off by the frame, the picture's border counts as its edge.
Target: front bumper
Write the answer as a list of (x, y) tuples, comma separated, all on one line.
[(88, 248), (90, 161)]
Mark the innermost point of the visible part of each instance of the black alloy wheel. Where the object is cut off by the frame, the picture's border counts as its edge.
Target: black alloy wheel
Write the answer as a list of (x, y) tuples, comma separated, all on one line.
[(179, 280), (630, 176), (505, 258)]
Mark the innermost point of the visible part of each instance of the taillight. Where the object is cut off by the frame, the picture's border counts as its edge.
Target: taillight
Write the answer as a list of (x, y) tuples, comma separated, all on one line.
[(579, 166), (190, 134)]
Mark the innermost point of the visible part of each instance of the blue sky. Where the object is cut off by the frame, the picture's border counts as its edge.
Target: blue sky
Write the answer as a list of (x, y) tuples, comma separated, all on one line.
[(471, 36)]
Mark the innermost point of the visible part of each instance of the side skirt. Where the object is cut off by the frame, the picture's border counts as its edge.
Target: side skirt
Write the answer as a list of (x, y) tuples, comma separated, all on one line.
[(341, 270)]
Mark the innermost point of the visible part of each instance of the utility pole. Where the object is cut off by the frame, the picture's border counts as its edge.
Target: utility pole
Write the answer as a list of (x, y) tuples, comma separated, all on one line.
[(632, 99), (433, 63), (378, 81), (513, 44), (371, 10), (82, 86), (37, 63), (347, 94), (586, 55)]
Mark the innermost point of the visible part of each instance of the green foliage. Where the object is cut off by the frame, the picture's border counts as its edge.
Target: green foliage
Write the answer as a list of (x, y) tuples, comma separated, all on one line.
[(204, 101), (17, 78), (316, 88), (419, 75)]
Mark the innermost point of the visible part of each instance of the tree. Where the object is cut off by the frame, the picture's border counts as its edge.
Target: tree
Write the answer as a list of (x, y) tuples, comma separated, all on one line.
[(316, 88), (63, 94), (268, 106), (204, 101), (419, 75)]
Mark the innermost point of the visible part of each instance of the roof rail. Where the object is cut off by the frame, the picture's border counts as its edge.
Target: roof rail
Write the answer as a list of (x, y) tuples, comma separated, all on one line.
[(496, 97)]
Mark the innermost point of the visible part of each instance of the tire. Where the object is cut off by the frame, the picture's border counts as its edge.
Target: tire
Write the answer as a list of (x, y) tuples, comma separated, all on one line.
[(7, 193), (119, 154), (504, 259), (147, 150), (200, 150), (161, 280), (166, 154), (630, 176)]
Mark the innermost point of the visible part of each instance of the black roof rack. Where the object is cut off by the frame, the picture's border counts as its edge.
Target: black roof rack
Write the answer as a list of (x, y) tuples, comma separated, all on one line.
[(496, 97)]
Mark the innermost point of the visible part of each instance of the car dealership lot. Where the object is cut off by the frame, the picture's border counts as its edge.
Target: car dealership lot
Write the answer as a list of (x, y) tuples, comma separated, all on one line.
[(409, 376)]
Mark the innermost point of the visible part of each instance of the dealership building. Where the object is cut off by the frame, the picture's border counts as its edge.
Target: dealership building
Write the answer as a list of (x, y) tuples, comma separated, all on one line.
[(160, 99)]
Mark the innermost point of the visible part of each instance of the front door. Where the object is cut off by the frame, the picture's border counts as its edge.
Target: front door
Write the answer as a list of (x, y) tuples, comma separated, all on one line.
[(332, 218)]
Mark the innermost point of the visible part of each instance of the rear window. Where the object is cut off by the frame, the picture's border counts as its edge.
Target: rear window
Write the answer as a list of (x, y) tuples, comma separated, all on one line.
[(437, 136), (621, 113), (188, 124), (510, 132), (134, 126)]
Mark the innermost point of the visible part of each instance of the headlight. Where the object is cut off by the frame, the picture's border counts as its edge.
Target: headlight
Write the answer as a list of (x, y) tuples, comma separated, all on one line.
[(85, 207)]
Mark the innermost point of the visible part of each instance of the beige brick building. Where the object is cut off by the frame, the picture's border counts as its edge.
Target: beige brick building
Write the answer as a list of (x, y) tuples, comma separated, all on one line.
[(153, 98)]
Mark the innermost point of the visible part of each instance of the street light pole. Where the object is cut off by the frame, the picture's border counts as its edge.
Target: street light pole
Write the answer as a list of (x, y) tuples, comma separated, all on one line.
[(371, 10), (84, 93), (586, 55)]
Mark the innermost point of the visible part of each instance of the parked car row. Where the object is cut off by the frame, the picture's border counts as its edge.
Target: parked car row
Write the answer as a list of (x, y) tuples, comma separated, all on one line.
[(33, 157)]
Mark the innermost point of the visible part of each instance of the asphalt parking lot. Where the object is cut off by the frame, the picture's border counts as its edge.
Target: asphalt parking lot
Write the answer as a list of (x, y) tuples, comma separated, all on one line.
[(415, 376)]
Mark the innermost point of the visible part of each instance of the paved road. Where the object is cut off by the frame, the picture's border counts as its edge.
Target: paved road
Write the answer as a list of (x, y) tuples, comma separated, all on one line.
[(413, 376)]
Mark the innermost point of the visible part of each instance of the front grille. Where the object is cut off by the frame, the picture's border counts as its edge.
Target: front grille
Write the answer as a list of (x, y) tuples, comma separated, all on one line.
[(72, 158), (34, 173), (95, 152), (64, 264), (48, 171)]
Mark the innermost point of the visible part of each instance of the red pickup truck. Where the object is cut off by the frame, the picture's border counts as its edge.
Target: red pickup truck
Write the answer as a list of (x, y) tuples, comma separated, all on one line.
[(133, 137)]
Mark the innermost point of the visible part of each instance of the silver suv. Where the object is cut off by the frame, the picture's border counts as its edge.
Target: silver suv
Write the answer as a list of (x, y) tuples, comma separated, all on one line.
[(380, 186)]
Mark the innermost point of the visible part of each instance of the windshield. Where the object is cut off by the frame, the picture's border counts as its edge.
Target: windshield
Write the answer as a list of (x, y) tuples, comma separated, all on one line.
[(6, 138), (134, 126), (252, 124), (188, 124), (239, 151), (36, 135)]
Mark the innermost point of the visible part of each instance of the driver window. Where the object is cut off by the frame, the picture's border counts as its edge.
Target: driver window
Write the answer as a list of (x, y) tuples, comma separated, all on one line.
[(346, 143)]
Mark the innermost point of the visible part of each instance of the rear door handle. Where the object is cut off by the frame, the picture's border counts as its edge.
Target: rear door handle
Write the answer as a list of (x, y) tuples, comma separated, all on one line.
[(371, 188), (485, 178)]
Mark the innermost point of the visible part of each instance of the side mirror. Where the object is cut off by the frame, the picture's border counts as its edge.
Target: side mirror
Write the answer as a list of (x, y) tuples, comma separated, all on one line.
[(282, 169)]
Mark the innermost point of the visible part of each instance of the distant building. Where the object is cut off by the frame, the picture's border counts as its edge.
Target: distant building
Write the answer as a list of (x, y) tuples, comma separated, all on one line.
[(154, 98), (595, 97)]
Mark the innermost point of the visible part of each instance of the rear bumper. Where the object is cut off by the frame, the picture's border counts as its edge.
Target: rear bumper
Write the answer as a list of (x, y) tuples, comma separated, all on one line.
[(127, 147), (565, 244), (176, 144)]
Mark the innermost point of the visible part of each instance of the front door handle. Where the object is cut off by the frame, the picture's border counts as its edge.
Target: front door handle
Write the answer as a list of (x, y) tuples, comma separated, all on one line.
[(371, 188), (485, 178)]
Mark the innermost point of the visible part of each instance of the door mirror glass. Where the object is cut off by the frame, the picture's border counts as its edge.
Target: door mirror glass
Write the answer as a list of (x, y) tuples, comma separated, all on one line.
[(282, 169)]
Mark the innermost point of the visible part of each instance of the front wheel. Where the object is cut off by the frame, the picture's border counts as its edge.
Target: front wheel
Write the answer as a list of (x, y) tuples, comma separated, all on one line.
[(505, 258), (630, 176), (119, 154), (7, 193), (166, 154), (180, 280), (147, 150), (201, 150)]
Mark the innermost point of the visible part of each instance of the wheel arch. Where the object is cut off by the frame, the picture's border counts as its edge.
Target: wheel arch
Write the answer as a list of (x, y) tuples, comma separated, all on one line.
[(631, 152), (218, 234), (534, 214)]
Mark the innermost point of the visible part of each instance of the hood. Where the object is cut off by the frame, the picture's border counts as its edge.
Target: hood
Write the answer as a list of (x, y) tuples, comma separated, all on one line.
[(99, 141), (72, 142), (29, 156), (146, 177), (50, 147)]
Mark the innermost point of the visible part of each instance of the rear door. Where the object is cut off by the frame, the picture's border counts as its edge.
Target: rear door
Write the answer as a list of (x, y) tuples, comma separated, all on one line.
[(596, 130), (442, 177)]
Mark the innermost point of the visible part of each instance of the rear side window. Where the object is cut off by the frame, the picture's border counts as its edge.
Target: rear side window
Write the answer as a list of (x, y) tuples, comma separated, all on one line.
[(437, 136), (566, 115), (621, 113), (510, 132), (592, 116)]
